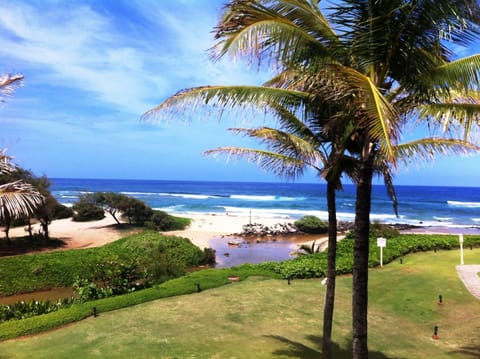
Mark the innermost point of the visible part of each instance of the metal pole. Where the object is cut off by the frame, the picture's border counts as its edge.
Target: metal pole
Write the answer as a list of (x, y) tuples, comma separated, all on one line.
[(381, 256), (460, 238)]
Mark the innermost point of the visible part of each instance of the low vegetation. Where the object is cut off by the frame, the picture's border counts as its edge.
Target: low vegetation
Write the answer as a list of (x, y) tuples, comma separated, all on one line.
[(148, 256), (267, 317), (311, 225), (313, 266), (142, 260)]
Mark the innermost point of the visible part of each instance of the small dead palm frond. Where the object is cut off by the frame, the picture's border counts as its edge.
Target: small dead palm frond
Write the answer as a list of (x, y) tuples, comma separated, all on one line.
[(5, 165), (306, 249), (8, 84), (18, 199)]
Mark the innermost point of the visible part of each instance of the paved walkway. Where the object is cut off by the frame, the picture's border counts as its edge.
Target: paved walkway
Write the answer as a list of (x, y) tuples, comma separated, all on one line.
[(469, 276)]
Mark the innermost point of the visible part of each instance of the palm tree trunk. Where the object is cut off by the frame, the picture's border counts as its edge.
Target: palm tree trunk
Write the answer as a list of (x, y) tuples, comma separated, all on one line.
[(360, 262), (331, 271)]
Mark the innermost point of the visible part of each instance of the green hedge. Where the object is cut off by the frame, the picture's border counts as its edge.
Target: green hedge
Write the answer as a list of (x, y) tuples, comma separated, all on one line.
[(315, 265)]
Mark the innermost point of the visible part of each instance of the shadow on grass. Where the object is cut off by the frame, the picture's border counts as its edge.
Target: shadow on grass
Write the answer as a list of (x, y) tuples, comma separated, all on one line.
[(471, 351), (24, 245), (299, 350)]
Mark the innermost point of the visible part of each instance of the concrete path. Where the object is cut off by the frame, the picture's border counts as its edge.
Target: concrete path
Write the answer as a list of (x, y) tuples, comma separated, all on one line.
[(469, 276)]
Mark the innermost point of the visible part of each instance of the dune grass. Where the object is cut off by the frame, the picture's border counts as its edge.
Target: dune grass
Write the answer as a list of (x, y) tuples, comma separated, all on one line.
[(267, 318)]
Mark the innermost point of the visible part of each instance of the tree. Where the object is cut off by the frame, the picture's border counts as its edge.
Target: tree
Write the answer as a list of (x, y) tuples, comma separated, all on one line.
[(17, 199), (117, 204), (387, 63), (49, 209)]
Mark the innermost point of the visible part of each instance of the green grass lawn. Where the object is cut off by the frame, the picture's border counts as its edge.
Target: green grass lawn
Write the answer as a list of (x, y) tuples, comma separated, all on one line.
[(267, 318)]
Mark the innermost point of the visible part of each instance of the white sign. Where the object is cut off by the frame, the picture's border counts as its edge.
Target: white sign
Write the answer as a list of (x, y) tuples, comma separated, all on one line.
[(381, 242)]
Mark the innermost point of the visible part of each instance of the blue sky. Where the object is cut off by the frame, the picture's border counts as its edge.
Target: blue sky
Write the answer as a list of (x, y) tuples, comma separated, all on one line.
[(92, 68)]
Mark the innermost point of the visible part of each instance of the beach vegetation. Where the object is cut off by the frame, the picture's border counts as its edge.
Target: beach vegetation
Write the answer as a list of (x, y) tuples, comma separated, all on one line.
[(377, 229), (162, 221), (311, 225), (136, 212), (118, 206), (85, 212)]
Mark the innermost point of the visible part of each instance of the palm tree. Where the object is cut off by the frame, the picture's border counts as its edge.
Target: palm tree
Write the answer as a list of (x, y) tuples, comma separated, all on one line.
[(17, 199), (387, 57), (386, 64)]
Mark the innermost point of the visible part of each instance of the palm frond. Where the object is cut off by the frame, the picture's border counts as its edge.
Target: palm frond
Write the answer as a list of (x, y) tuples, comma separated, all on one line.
[(379, 117), (221, 97), (458, 116), (280, 31), (426, 149), (18, 199), (460, 74), (286, 144), (281, 165)]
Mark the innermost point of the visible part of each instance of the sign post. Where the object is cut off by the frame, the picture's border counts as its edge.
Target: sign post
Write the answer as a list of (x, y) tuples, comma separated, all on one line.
[(460, 238), (381, 242)]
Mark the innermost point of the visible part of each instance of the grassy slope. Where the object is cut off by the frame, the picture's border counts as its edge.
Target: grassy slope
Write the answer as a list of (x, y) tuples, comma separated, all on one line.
[(261, 318)]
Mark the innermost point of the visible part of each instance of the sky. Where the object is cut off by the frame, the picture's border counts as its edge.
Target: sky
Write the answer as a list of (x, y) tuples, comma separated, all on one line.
[(92, 68)]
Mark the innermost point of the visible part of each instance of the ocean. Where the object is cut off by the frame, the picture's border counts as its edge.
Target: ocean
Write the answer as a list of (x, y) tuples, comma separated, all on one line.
[(453, 207)]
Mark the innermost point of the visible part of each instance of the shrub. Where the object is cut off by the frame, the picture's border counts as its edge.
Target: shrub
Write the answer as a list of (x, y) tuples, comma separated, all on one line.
[(60, 211), (22, 309), (311, 225), (162, 221), (377, 230), (136, 211), (84, 212)]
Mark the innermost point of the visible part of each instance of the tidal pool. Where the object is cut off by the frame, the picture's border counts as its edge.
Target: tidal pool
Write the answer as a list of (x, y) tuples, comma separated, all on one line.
[(255, 250)]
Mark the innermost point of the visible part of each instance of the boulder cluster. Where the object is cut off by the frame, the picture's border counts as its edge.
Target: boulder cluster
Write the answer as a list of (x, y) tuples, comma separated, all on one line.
[(259, 230)]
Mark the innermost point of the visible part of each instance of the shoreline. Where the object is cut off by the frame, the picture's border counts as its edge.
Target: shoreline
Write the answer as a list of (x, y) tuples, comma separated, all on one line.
[(204, 228)]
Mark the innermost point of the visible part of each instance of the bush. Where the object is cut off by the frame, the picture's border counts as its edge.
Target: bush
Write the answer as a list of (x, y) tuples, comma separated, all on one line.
[(136, 211), (378, 229), (162, 221), (22, 309), (84, 212), (311, 225), (60, 211)]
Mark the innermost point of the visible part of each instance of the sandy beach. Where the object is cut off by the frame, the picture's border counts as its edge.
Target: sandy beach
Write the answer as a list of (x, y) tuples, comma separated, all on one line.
[(203, 228)]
